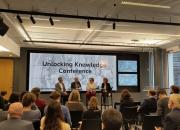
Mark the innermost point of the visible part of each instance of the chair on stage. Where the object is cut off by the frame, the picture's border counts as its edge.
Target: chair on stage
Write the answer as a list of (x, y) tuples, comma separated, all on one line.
[(106, 100)]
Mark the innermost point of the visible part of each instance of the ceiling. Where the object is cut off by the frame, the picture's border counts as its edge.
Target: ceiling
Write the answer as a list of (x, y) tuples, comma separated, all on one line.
[(69, 33)]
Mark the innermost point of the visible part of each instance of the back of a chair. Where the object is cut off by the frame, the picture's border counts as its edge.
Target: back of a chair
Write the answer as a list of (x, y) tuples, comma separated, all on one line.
[(3, 115), (36, 125), (91, 124), (130, 113), (150, 121), (76, 117)]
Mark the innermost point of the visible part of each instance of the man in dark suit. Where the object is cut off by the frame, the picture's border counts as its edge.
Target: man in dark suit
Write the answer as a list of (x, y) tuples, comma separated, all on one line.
[(14, 122), (149, 105), (76, 84), (60, 87), (172, 119), (105, 89)]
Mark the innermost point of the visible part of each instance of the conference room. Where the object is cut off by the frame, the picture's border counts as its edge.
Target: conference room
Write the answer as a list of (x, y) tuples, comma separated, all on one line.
[(89, 65)]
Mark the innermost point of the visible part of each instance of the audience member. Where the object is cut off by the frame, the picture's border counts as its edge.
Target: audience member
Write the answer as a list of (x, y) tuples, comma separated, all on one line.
[(55, 96), (30, 113), (76, 84), (39, 102), (91, 89), (93, 112), (53, 120), (174, 89), (149, 105), (105, 89), (3, 101), (172, 119), (162, 104), (74, 103), (14, 122), (125, 101), (14, 97), (111, 119)]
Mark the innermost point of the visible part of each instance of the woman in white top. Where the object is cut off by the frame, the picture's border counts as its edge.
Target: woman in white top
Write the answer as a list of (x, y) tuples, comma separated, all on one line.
[(91, 89)]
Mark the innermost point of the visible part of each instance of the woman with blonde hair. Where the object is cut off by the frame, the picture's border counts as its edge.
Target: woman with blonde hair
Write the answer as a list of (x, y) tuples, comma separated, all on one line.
[(93, 112), (74, 103)]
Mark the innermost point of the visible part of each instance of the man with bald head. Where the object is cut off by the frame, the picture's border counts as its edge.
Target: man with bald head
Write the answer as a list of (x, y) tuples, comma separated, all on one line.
[(14, 121)]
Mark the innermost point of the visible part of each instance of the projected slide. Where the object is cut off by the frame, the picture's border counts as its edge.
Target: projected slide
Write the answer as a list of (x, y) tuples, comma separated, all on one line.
[(45, 68), (127, 79)]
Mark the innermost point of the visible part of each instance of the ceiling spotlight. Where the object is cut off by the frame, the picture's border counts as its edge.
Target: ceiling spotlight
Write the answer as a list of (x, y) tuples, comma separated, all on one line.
[(114, 25), (32, 19), (51, 21), (19, 19), (88, 24)]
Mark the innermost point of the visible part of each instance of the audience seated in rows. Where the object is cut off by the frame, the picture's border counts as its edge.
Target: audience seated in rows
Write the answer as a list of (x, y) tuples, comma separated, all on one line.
[(162, 104), (39, 102), (93, 112), (74, 103), (56, 96), (53, 120), (150, 104), (14, 97), (30, 110), (111, 119), (172, 119), (14, 121)]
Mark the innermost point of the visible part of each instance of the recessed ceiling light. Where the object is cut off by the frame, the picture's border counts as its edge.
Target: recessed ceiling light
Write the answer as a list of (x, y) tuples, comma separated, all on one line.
[(135, 40), (145, 5), (3, 49)]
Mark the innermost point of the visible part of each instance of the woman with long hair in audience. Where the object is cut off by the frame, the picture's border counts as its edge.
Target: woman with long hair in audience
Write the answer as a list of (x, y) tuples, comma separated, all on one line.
[(54, 118), (74, 103)]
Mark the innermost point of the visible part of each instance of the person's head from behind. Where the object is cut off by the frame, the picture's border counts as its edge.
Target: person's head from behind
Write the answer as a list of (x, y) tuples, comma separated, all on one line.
[(74, 96), (76, 79), (174, 89), (125, 94), (28, 99), (161, 93), (112, 119), (14, 97), (93, 103), (91, 80), (151, 93), (174, 101), (36, 91), (105, 80), (53, 116), (22, 94), (55, 95), (15, 110), (60, 79)]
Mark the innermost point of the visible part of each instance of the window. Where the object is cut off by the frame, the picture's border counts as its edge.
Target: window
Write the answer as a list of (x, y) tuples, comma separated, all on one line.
[(174, 68), (127, 73)]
